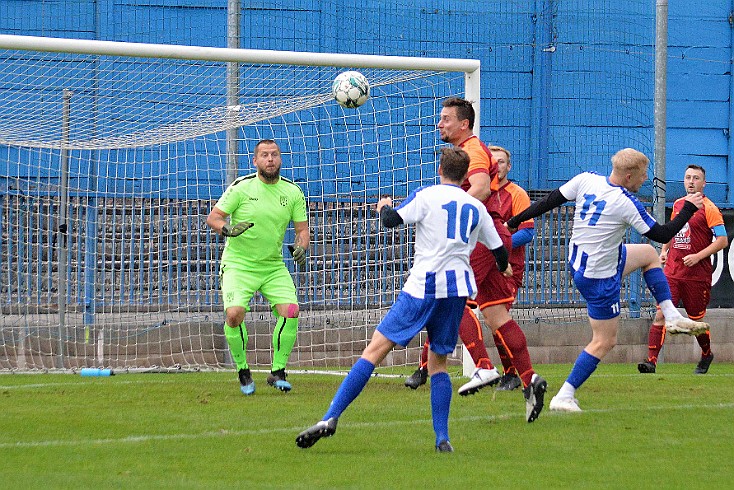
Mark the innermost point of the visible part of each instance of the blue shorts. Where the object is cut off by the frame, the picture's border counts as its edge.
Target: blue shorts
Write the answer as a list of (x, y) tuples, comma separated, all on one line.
[(602, 295), (409, 315)]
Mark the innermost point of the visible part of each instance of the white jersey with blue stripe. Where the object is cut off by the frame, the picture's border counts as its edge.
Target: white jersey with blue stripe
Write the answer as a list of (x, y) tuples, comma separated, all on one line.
[(448, 224), (604, 212)]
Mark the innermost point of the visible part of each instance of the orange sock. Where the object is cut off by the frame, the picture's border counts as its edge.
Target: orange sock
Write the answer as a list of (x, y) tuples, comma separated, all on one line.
[(470, 331), (655, 341)]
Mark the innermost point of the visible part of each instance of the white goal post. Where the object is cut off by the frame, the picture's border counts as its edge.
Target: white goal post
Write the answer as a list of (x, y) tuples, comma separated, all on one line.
[(112, 155)]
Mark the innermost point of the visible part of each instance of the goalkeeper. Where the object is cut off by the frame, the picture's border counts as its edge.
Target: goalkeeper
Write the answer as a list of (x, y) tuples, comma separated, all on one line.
[(259, 207)]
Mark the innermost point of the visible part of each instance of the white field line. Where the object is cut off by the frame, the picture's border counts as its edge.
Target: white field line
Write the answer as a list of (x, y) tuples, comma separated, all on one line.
[(148, 380), (143, 438)]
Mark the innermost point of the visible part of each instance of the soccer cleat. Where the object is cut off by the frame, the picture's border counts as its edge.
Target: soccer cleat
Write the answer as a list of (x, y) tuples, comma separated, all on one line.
[(646, 367), (686, 326), (564, 404), (276, 379), (534, 395), (444, 447), (509, 382), (703, 365), (310, 436), (247, 385), (418, 378), (479, 379)]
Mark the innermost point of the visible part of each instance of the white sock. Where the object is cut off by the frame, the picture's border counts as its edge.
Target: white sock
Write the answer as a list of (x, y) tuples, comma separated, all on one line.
[(566, 391), (670, 312)]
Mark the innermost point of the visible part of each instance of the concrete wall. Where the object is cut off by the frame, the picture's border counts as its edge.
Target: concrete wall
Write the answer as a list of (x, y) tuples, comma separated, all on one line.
[(556, 343), (326, 339), (551, 339)]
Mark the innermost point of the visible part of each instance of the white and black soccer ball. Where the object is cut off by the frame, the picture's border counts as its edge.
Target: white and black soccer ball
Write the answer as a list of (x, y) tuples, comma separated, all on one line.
[(350, 89)]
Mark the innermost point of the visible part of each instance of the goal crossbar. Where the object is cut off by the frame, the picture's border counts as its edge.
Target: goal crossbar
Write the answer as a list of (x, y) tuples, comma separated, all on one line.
[(204, 53), (470, 67)]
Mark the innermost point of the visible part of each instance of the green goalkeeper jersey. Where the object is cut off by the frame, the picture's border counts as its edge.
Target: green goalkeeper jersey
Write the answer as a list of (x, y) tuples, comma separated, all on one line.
[(270, 207)]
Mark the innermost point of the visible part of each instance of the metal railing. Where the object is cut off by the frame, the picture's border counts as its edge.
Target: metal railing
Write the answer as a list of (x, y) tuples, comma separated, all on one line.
[(158, 254)]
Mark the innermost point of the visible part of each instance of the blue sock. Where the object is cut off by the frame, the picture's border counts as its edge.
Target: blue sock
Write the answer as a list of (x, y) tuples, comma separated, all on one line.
[(350, 388), (657, 284), (583, 367), (440, 404)]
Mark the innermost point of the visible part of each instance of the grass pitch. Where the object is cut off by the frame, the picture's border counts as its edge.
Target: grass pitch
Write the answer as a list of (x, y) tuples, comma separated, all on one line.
[(672, 429)]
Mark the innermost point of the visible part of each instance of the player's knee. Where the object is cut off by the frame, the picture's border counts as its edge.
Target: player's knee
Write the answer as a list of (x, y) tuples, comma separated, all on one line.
[(606, 342), (292, 311), (611, 342), (650, 256), (235, 315)]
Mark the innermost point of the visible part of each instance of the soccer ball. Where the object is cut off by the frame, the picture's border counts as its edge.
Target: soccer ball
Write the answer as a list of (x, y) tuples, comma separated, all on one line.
[(350, 89)]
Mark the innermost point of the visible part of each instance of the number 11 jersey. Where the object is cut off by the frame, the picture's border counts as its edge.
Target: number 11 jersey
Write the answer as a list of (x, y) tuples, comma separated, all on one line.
[(603, 214)]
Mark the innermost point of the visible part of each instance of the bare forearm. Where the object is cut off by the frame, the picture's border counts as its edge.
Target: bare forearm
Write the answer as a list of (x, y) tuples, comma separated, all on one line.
[(216, 222), (719, 244), (303, 239)]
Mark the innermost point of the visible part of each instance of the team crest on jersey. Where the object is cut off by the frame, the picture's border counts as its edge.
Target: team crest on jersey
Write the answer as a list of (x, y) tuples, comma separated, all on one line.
[(682, 239), (283, 201)]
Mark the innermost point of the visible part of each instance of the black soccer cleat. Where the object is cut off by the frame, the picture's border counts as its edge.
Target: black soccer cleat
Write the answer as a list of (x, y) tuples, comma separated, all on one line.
[(646, 367), (703, 365), (444, 447), (276, 379), (509, 382), (534, 395), (418, 378), (247, 385), (310, 436)]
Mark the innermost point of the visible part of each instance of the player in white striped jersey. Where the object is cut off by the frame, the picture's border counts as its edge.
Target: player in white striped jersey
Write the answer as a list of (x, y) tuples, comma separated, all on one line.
[(441, 266), (449, 222), (605, 209)]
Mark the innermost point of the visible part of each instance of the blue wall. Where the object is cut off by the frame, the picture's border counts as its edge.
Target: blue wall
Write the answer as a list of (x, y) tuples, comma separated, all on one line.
[(565, 83)]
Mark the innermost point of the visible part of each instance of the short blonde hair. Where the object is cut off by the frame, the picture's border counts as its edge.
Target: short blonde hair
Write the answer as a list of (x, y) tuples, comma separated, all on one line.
[(629, 160), (504, 150)]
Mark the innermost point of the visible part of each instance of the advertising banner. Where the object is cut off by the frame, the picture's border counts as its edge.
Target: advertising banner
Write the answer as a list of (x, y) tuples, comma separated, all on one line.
[(722, 292)]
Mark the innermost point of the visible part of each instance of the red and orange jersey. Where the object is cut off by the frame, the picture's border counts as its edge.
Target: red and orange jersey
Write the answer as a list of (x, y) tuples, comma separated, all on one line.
[(511, 199), (480, 161), (695, 235)]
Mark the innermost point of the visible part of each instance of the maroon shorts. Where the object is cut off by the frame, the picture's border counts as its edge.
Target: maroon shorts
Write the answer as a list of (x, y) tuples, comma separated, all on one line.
[(493, 288), (695, 296), (517, 275)]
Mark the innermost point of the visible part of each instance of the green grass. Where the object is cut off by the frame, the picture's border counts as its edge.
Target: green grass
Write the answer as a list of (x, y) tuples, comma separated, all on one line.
[(667, 430)]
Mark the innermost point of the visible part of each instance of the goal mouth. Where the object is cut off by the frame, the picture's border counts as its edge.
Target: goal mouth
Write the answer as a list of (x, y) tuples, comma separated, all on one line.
[(112, 160)]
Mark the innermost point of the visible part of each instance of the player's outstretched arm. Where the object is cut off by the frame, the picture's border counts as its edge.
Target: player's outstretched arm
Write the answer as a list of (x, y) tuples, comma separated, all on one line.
[(552, 200), (664, 233)]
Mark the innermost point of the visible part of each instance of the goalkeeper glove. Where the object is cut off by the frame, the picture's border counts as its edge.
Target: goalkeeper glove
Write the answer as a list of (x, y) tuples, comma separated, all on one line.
[(236, 230), (299, 255)]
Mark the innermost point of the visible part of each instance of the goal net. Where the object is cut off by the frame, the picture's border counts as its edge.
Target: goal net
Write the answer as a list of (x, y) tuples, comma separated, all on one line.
[(112, 156)]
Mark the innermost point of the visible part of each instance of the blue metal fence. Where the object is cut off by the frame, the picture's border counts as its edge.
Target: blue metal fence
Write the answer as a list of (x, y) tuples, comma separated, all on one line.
[(152, 254)]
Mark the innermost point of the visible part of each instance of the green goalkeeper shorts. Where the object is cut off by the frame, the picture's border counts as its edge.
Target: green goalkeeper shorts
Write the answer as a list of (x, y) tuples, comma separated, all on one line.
[(238, 287)]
